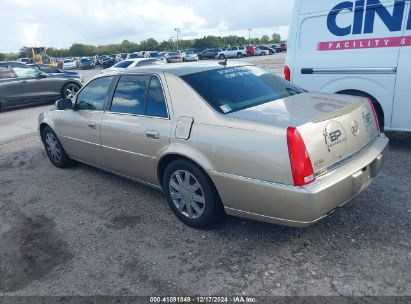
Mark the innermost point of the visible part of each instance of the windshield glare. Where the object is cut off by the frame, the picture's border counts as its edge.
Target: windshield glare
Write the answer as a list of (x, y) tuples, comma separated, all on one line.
[(233, 89)]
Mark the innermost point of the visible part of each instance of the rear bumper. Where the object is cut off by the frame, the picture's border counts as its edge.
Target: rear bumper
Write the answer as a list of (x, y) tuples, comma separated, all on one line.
[(300, 206)]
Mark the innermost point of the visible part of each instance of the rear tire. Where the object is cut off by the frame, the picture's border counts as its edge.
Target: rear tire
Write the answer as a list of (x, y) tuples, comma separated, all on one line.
[(222, 56), (69, 90), (239, 55), (191, 194), (54, 149)]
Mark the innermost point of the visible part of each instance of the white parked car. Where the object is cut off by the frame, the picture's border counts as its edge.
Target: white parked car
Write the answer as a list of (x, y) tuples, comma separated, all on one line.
[(231, 52), (69, 64), (132, 63), (260, 52), (190, 56), (356, 50)]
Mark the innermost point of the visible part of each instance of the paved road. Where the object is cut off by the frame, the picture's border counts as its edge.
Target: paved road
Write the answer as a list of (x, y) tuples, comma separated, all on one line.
[(82, 231)]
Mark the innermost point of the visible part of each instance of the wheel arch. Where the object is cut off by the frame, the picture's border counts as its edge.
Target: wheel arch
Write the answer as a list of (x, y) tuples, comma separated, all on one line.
[(165, 160)]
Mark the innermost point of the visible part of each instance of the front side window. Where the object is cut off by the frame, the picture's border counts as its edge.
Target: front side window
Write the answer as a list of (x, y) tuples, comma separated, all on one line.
[(93, 96), (234, 89), (130, 95)]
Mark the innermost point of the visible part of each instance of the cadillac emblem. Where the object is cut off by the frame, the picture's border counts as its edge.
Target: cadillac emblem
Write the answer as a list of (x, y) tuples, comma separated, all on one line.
[(355, 129)]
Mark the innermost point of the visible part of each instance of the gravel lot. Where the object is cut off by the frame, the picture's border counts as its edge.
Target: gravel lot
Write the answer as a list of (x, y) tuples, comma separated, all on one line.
[(82, 231)]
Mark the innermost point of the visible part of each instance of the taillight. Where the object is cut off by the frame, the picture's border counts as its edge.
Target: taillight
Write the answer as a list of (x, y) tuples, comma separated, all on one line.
[(301, 168), (287, 73), (375, 115)]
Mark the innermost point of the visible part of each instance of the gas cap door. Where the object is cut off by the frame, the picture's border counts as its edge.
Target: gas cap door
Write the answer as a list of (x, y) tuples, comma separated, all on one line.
[(183, 128)]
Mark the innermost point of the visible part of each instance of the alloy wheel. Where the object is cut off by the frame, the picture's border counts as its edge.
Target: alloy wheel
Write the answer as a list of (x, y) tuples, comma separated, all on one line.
[(53, 147), (71, 90), (187, 194)]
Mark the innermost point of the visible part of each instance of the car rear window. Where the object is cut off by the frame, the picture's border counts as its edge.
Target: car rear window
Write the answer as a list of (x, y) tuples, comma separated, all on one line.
[(233, 89), (123, 64)]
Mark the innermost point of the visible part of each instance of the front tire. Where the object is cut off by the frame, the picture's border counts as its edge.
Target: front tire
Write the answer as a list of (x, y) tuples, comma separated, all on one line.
[(222, 56), (191, 194), (54, 149), (239, 55)]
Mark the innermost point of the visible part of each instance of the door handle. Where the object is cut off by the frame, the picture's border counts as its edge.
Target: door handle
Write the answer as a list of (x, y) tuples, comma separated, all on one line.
[(150, 134), (92, 124)]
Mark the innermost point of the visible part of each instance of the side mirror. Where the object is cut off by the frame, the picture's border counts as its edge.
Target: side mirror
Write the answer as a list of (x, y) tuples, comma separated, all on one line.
[(64, 104)]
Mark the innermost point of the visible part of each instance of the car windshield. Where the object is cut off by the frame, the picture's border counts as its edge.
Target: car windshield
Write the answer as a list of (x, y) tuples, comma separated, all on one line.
[(83, 60), (154, 54), (234, 89), (135, 56), (123, 64), (189, 52)]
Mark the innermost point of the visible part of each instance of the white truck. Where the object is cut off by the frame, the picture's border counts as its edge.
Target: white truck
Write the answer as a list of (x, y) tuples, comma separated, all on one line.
[(358, 47)]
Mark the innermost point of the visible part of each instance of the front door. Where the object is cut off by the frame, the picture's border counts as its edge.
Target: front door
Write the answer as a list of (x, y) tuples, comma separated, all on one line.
[(80, 128), (137, 127)]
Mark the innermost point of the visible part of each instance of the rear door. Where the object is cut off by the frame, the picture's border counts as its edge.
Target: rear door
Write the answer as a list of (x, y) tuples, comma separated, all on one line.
[(401, 118), (137, 127), (80, 128), (10, 88)]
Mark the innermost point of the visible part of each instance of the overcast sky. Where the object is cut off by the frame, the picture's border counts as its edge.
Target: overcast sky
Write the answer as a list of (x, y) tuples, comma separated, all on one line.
[(60, 23)]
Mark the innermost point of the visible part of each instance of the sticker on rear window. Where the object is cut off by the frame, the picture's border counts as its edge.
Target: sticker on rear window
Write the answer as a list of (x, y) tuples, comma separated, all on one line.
[(226, 108)]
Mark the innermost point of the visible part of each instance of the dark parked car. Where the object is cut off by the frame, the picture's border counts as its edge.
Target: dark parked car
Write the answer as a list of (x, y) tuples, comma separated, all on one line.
[(21, 86), (209, 53), (56, 72), (86, 63), (277, 48), (266, 48), (107, 62)]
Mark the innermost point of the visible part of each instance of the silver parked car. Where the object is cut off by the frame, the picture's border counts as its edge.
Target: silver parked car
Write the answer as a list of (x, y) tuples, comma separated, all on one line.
[(221, 138)]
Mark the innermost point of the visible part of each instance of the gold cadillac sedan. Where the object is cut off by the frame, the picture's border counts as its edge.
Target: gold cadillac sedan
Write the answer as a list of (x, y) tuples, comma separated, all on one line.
[(221, 138)]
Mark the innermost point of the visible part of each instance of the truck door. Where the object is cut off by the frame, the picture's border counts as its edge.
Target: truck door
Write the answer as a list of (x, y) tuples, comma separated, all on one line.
[(401, 117)]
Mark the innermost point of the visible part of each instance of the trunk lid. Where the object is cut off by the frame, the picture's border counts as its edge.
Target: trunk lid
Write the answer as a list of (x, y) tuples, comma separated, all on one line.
[(334, 127)]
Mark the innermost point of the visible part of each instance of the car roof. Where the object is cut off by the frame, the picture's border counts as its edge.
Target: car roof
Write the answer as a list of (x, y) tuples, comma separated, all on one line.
[(181, 69)]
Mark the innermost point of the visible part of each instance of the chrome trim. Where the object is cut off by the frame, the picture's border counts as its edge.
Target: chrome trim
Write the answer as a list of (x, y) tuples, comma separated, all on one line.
[(277, 218), (128, 152), (137, 115), (82, 141), (342, 162), (355, 71)]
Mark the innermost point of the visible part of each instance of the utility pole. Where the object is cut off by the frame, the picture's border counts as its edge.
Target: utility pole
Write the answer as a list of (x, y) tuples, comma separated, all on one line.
[(178, 32), (249, 35)]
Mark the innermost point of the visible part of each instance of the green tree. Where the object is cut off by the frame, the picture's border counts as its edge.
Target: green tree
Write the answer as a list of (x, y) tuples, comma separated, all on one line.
[(265, 39), (276, 38), (149, 44)]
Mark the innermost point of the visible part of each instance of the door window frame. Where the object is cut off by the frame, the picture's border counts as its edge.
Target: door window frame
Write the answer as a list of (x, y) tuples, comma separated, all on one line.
[(106, 99), (114, 87)]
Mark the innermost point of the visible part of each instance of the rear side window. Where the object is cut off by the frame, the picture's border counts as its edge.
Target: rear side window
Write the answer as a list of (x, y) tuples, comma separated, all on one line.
[(130, 95), (6, 72), (93, 96), (156, 104), (233, 89), (139, 95)]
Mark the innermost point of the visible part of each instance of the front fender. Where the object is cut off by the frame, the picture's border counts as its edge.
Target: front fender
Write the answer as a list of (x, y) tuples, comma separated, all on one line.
[(49, 118)]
